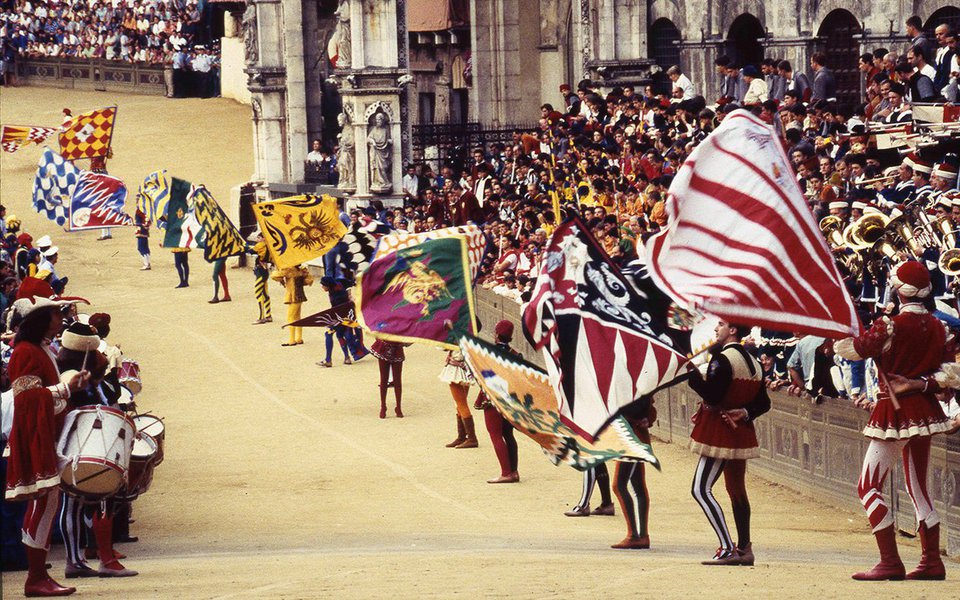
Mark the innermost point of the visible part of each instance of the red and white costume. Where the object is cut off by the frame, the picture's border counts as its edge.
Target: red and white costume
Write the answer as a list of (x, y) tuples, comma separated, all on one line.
[(32, 470), (742, 378), (911, 345)]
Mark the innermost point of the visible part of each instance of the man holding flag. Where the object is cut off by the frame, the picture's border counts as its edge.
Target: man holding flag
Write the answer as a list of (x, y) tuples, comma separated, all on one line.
[(733, 395)]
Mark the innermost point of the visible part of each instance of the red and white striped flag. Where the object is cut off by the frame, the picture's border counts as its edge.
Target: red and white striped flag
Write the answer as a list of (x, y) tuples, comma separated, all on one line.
[(741, 242)]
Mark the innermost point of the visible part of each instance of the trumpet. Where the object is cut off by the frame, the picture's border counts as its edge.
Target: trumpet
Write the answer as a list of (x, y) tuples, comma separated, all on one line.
[(832, 229), (949, 262)]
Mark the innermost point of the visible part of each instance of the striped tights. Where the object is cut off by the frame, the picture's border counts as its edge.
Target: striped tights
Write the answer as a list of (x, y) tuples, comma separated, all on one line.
[(630, 486), (263, 297), (734, 471), (596, 475)]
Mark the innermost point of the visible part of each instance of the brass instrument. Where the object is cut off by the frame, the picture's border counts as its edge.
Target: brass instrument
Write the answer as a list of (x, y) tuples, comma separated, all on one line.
[(948, 233), (869, 228), (949, 262), (832, 229), (848, 240), (890, 177), (900, 226), (887, 246), (853, 263), (926, 231)]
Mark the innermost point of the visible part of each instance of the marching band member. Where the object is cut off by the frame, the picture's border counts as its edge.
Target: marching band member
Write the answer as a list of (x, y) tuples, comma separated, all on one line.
[(910, 349), (723, 435)]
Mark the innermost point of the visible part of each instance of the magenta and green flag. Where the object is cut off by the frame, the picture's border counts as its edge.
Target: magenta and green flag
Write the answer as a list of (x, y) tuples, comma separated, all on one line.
[(419, 293)]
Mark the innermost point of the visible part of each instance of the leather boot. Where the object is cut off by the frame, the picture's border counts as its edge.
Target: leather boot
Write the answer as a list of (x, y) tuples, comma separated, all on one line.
[(109, 565), (39, 584), (931, 565), (890, 566), (471, 440), (461, 434)]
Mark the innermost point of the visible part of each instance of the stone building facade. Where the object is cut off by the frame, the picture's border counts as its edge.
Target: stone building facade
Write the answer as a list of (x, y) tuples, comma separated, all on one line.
[(495, 61), (524, 49)]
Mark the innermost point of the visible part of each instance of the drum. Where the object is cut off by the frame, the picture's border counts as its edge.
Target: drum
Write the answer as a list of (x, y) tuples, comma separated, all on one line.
[(143, 459), (125, 402), (95, 449), (130, 375), (153, 427)]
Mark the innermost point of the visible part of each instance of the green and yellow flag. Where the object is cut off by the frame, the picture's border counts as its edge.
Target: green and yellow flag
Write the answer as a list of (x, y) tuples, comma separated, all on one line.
[(222, 238), (299, 228)]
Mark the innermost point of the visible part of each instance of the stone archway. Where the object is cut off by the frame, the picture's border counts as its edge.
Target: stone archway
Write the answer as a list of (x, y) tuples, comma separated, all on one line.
[(743, 40), (664, 52), (948, 14), (837, 41)]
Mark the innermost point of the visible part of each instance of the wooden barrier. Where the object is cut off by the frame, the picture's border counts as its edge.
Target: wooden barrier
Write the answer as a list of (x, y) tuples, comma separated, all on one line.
[(815, 449)]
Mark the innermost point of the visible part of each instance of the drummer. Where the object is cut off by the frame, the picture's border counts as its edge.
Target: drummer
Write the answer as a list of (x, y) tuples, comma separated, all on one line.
[(40, 400), (79, 345)]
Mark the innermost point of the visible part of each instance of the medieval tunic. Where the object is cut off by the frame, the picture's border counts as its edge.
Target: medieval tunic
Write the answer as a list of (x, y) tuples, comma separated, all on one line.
[(734, 380), (913, 345), (39, 401)]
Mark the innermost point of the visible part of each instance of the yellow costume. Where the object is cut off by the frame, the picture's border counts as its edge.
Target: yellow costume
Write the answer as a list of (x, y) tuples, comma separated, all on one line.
[(294, 280)]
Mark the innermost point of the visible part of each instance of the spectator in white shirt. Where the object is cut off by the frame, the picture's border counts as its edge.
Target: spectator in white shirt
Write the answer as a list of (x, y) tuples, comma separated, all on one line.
[(682, 86), (757, 92)]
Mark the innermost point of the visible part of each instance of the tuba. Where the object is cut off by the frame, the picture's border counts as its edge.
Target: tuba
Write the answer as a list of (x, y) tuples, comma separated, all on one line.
[(869, 228), (948, 234), (902, 228), (832, 229), (949, 262)]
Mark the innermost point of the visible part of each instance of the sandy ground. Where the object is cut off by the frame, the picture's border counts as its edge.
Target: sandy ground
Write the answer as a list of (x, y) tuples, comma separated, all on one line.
[(281, 482)]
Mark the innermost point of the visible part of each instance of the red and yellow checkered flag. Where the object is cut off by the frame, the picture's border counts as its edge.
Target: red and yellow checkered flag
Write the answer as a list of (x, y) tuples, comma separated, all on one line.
[(88, 135)]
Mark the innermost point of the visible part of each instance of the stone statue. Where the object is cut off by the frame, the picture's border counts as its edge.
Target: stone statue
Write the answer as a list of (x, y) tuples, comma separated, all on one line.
[(250, 34), (379, 153), (345, 157), (342, 45)]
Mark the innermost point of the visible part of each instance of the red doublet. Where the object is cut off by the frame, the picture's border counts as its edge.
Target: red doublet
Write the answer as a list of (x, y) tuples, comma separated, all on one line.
[(730, 380), (32, 467), (911, 344)]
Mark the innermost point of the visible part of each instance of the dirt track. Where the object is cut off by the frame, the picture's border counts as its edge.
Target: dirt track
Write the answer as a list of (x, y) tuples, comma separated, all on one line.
[(281, 482)]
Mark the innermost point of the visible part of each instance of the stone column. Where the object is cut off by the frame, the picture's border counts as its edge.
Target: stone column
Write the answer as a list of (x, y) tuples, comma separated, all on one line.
[(266, 72), (373, 82)]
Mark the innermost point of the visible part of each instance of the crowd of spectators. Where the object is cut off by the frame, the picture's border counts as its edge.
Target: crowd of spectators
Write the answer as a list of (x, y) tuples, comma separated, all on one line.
[(147, 32), (610, 158)]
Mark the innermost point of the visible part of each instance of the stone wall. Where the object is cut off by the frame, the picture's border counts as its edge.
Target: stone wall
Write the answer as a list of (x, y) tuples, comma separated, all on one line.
[(816, 450), (100, 75), (233, 81)]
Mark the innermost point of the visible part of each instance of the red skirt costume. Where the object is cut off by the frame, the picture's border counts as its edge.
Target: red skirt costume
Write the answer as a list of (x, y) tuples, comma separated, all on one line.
[(39, 400), (734, 380), (391, 352), (911, 344)]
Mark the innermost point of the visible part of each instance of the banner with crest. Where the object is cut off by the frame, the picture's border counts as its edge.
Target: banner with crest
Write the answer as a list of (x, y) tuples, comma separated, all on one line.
[(420, 292), (299, 228), (522, 393)]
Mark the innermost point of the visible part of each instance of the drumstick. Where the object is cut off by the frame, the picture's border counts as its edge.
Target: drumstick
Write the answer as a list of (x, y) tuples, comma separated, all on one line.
[(84, 365)]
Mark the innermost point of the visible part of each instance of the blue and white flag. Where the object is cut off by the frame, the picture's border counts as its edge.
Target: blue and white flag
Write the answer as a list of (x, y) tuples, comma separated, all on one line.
[(53, 187)]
